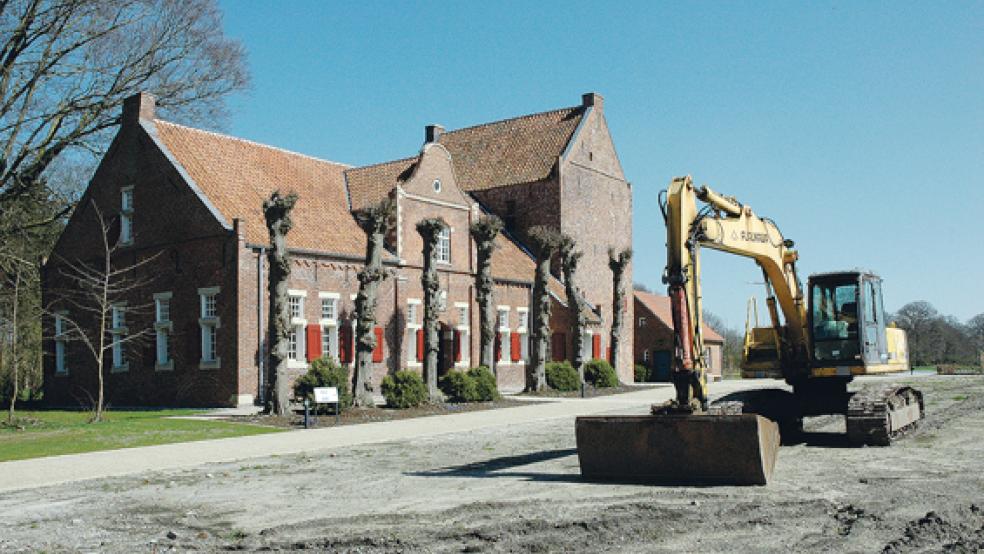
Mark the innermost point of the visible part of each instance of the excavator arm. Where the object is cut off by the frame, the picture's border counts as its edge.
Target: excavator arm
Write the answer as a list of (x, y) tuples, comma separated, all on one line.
[(726, 225)]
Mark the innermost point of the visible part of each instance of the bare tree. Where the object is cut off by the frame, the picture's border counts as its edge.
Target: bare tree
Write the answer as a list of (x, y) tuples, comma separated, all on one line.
[(99, 294), (569, 259), (618, 262), (376, 221), (67, 65), (484, 231), (277, 210), (545, 242), (429, 230)]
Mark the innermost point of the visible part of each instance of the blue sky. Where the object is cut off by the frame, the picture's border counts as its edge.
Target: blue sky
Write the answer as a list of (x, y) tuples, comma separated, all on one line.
[(857, 126)]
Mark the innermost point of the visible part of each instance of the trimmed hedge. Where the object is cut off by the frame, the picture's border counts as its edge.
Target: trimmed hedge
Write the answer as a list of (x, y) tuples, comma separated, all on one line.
[(600, 374), (642, 374), (486, 387), (324, 372), (562, 376), (475, 385), (404, 389)]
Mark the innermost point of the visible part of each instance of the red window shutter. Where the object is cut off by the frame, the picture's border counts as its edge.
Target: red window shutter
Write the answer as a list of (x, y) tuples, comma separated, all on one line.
[(559, 347), (517, 353), (595, 346), (345, 344), (420, 345), (313, 342), (457, 345), (377, 353), (498, 347)]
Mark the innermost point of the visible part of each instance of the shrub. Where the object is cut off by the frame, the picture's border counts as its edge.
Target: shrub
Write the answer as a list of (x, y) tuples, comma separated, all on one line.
[(562, 376), (486, 388), (600, 374), (642, 374), (404, 389), (459, 386), (324, 372)]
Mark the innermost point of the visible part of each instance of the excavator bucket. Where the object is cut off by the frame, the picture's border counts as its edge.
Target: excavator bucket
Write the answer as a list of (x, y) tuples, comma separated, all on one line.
[(678, 449)]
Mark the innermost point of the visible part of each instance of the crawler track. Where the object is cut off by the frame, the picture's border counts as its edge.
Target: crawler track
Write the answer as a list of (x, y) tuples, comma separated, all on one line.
[(876, 417)]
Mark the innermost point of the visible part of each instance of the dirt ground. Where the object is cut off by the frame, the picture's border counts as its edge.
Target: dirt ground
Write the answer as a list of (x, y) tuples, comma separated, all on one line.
[(518, 489)]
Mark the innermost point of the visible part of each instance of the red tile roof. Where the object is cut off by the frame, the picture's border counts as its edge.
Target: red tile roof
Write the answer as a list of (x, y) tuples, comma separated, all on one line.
[(237, 175), (370, 184), (659, 306), (518, 150)]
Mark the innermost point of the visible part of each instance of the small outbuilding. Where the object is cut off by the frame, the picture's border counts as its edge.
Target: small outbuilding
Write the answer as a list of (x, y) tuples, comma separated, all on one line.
[(654, 338)]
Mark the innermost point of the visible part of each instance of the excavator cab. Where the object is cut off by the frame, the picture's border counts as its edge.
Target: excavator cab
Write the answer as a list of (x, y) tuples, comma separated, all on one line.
[(848, 331)]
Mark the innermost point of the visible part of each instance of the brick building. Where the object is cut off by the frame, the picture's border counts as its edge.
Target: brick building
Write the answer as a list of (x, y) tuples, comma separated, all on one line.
[(654, 337), (191, 200)]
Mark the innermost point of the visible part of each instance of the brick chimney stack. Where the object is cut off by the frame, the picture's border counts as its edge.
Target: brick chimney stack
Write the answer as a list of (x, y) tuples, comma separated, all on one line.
[(139, 106), (432, 133), (593, 99)]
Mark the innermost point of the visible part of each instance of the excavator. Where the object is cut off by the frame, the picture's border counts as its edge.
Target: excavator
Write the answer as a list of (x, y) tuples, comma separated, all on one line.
[(829, 333)]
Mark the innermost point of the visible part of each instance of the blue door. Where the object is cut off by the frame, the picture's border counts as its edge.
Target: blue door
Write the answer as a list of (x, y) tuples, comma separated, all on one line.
[(661, 365)]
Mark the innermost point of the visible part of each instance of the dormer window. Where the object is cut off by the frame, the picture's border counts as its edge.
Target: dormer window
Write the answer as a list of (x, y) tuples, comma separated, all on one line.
[(437, 185), (126, 215)]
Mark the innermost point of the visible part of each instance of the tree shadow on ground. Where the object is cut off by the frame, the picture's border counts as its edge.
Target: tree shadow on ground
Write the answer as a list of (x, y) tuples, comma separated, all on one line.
[(494, 468)]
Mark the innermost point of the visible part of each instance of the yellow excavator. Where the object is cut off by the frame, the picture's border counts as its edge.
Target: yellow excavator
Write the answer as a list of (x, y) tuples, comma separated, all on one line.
[(828, 334)]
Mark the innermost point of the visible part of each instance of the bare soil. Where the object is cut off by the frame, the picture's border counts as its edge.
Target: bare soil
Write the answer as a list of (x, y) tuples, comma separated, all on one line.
[(518, 489)]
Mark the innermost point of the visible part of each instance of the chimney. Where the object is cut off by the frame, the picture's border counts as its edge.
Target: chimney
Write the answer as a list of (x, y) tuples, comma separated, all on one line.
[(432, 133), (139, 106), (592, 99)]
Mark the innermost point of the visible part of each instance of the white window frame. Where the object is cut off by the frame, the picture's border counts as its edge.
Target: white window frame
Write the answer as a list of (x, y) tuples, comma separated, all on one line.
[(297, 357), (645, 356), (464, 333), (329, 325), (443, 246), (586, 344), (210, 325), (642, 321), (163, 328), (61, 337), (523, 313), (126, 215), (505, 347), (412, 327), (118, 330)]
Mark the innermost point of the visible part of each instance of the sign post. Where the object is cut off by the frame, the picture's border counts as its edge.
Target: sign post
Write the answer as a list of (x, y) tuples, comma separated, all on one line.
[(328, 395)]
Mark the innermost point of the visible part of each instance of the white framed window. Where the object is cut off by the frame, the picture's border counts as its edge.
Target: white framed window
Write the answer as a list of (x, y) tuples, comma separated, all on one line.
[(586, 345), (642, 321), (162, 330), (209, 322), (118, 331), (126, 215), (413, 325), (444, 245), (505, 338), (329, 324), (60, 340), (463, 329), (437, 185), (329, 305), (645, 355), (523, 314), (296, 336)]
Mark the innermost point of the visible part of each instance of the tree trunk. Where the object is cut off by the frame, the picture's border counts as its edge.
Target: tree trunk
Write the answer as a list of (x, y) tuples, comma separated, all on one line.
[(429, 230), (277, 210), (569, 259), (14, 358), (618, 262), (484, 232), (545, 242), (375, 221)]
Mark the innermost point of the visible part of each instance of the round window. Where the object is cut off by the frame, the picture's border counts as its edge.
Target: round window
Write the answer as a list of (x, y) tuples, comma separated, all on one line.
[(437, 185)]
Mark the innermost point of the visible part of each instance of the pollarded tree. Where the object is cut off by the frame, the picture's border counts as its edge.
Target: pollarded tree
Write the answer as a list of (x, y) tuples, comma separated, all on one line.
[(545, 242), (569, 259), (618, 262), (376, 221), (429, 230), (484, 231), (277, 210)]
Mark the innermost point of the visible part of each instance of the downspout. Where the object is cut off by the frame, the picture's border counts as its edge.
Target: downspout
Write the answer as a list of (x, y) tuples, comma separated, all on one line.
[(261, 381)]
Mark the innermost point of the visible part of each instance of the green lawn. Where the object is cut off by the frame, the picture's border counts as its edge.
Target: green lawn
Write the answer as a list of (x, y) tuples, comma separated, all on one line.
[(50, 433)]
